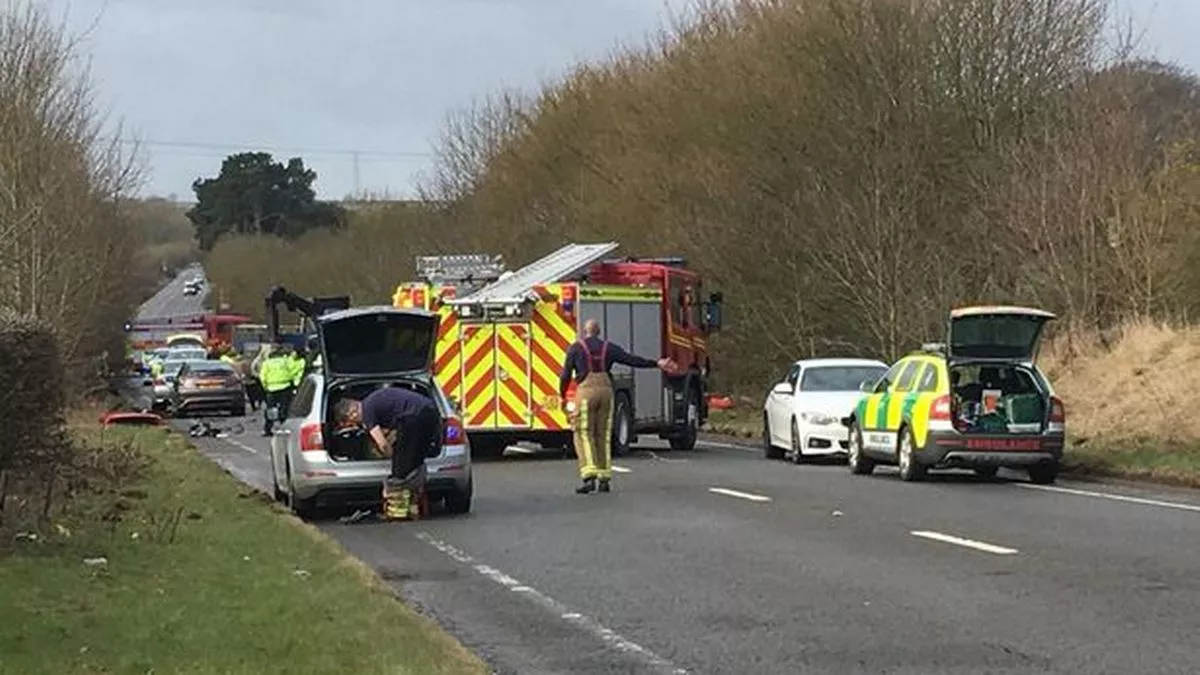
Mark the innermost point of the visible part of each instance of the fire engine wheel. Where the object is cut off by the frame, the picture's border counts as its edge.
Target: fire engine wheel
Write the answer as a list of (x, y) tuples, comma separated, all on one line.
[(622, 431), (686, 439)]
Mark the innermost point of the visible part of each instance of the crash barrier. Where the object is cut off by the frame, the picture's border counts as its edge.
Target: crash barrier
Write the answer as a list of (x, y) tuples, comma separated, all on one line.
[(35, 394)]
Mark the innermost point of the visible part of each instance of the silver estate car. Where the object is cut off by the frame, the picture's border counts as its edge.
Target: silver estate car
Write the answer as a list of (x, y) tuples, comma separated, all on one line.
[(315, 464)]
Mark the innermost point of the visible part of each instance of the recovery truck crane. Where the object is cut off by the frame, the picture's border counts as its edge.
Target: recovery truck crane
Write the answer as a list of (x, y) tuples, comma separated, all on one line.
[(309, 308)]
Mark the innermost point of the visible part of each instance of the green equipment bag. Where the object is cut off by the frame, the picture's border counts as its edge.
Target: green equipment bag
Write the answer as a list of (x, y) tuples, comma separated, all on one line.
[(992, 423), (1024, 408)]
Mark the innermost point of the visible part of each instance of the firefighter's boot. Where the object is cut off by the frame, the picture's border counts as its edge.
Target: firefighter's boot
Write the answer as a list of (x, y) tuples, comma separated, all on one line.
[(588, 487), (605, 485)]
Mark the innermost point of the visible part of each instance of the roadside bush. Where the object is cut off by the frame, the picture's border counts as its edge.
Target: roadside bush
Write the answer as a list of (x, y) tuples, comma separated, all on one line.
[(32, 400)]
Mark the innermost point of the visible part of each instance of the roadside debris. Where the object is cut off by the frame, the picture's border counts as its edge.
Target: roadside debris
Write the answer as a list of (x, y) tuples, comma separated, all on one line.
[(204, 429)]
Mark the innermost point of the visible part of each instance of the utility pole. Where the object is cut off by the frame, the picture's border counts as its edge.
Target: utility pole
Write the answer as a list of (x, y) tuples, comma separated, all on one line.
[(357, 177)]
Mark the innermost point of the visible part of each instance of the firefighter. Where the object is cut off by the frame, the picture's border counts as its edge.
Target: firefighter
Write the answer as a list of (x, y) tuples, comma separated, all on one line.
[(589, 362), (276, 376), (406, 426)]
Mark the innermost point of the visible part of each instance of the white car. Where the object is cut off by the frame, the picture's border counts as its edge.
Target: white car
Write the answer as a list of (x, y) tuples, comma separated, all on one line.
[(802, 414)]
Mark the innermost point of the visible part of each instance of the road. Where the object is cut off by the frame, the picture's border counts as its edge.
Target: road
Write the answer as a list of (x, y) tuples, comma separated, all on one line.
[(170, 300), (719, 561)]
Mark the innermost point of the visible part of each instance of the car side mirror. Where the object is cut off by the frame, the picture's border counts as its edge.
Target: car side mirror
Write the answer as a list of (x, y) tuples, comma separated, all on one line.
[(783, 388)]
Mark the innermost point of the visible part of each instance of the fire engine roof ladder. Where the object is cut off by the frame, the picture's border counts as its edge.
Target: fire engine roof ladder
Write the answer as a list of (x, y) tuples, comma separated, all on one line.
[(517, 287), (459, 268)]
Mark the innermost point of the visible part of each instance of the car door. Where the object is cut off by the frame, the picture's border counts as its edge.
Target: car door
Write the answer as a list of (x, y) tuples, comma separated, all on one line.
[(874, 417), (903, 396), (779, 407)]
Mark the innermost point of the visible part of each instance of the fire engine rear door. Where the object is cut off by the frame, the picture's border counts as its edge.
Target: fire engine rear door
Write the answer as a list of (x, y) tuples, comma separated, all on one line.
[(496, 376)]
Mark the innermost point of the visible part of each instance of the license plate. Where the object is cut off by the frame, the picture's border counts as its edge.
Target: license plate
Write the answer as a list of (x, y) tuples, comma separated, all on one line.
[(1005, 444)]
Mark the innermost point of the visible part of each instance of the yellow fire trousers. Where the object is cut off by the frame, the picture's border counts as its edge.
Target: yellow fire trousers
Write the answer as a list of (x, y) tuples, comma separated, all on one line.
[(593, 426)]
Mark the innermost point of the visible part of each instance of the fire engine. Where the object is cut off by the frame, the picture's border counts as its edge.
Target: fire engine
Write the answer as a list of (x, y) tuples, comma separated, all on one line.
[(215, 330), (504, 335)]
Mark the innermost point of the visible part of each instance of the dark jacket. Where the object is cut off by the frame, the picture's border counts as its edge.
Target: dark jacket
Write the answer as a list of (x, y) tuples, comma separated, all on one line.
[(580, 361)]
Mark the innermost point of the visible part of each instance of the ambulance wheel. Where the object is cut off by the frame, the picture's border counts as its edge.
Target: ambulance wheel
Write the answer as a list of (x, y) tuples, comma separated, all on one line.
[(910, 469), (622, 431), (1044, 474), (860, 464)]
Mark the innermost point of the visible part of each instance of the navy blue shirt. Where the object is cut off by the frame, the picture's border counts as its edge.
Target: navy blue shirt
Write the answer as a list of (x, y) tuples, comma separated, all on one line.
[(577, 363), (390, 407)]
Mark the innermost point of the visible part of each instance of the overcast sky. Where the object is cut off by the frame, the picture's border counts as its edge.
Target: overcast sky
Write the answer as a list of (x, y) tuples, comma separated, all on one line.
[(328, 80)]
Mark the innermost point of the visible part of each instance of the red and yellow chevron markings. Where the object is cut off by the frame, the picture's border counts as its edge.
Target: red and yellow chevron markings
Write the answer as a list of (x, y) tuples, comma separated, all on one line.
[(553, 333), (478, 375), (512, 375)]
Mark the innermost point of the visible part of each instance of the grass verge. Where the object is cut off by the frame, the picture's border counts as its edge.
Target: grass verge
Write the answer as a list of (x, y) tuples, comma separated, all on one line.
[(201, 575), (1158, 461), (739, 422)]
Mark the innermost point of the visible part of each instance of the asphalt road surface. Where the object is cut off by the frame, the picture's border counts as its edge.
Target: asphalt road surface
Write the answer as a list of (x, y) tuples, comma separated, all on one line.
[(719, 561), (170, 300)]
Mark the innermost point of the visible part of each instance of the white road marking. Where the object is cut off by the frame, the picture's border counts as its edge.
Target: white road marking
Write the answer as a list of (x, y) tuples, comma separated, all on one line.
[(969, 543), (740, 495), (621, 469), (1115, 497), (240, 445), (605, 635), (729, 446)]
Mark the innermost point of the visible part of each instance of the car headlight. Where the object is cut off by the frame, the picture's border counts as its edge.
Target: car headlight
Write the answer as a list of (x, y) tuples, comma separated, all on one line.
[(819, 419)]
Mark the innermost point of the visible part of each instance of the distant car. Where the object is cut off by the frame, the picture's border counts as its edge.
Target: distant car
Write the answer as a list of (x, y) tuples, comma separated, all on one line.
[(803, 413), (363, 349), (193, 286), (976, 402), (207, 386)]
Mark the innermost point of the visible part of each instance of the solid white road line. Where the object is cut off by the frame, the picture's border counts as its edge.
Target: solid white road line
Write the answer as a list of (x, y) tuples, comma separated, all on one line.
[(605, 635), (969, 543), (740, 495), (621, 469), (1115, 497)]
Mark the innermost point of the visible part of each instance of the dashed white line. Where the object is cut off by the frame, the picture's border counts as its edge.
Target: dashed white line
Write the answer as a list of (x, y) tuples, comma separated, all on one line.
[(729, 446), (621, 469), (1115, 497), (605, 635), (240, 445), (740, 495), (968, 543)]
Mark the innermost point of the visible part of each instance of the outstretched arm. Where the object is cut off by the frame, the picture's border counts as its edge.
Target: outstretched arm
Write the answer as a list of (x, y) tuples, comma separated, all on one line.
[(619, 355)]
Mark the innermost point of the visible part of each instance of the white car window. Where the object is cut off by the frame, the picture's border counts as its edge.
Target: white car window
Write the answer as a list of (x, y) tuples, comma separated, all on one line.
[(839, 378)]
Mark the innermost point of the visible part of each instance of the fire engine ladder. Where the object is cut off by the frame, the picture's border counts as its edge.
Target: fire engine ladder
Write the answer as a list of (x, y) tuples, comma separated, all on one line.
[(463, 268), (517, 288)]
